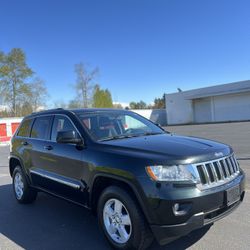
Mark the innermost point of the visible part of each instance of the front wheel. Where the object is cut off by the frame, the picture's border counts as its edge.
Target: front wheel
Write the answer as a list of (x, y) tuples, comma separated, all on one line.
[(23, 192), (122, 221)]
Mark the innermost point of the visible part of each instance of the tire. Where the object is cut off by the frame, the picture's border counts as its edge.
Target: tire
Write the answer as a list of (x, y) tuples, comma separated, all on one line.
[(118, 212), (23, 192)]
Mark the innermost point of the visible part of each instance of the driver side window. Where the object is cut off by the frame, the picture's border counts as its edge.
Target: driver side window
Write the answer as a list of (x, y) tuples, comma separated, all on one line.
[(61, 123)]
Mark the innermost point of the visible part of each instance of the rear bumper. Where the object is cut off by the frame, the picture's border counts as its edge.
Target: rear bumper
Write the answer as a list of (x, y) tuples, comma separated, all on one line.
[(167, 233)]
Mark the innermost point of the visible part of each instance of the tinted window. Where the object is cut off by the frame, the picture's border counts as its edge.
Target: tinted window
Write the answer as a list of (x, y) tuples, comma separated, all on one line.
[(25, 127), (41, 127), (61, 123)]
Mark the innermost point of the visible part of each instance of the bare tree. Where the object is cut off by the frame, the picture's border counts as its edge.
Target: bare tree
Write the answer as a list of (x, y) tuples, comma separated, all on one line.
[(60, 104), (84, 83), (39, 94)]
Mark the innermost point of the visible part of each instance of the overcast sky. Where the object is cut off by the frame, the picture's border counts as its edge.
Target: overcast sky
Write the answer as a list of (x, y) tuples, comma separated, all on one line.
[(143, 48)]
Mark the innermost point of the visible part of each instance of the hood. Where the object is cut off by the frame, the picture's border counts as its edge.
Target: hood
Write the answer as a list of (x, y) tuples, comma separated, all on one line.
[(171, 146)]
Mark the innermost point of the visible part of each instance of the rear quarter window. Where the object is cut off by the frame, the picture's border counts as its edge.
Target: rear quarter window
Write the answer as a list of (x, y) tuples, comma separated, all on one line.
[(25, 127)]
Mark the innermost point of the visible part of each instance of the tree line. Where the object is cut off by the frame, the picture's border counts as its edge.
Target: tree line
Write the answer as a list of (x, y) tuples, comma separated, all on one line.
[(159, 103), (24, 92)]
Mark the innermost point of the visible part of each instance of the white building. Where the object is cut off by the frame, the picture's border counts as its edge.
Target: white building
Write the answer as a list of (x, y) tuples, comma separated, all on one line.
[(226, 102), (123, 104), (158, 116)]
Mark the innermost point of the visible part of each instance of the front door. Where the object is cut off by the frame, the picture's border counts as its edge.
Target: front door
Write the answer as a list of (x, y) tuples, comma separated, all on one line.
[(62, 173)]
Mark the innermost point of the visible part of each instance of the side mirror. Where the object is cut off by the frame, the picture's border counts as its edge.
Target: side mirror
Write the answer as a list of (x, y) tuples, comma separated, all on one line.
[(69, 136)]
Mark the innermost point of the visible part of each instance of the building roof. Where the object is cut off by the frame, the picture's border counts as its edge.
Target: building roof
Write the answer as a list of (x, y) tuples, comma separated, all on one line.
[(223, 89)]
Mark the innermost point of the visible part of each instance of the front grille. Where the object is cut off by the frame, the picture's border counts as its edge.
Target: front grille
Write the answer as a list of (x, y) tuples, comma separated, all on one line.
[(217, 172)]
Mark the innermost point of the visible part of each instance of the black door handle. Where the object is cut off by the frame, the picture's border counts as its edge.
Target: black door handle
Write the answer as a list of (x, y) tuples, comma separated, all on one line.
[(48, 147), (25, 143)]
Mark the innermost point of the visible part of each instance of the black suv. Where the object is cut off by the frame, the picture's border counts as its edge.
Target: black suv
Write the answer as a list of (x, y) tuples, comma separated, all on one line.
[(141, 181)]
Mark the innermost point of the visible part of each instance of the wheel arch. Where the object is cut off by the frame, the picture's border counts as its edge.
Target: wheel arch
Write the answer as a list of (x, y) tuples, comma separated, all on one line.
[(102, 181), (16, 161)]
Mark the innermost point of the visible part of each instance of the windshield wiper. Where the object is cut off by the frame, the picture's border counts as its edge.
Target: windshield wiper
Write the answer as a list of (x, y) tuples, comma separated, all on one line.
[(116, 137), (151, 133)]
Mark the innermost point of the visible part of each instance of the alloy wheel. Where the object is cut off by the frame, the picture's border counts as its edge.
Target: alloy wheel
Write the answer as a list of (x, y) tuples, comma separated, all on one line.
[(18, 185), (117, 221)]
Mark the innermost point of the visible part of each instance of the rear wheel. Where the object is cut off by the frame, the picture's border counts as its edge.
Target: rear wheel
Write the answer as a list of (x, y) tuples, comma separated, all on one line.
[(122, 221), (23, 192)]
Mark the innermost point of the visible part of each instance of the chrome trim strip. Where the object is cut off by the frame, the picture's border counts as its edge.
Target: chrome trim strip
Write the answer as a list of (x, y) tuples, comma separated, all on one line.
[(221, 170), (236, 163), (230, 165), (215, 160), (56, 178), (227, 166), (214, 172), (204, 168), (233, 164)]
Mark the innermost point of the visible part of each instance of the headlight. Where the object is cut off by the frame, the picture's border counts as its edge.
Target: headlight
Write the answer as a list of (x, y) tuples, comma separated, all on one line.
[(172, 173)]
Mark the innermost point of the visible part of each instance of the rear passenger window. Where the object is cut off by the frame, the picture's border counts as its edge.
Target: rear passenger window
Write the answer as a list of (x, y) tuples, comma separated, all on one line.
[(61, 123), (41, 128), (24, 130)]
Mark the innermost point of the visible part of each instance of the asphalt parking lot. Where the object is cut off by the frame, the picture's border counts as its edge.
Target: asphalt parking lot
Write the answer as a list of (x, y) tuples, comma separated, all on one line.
[(51, 223)]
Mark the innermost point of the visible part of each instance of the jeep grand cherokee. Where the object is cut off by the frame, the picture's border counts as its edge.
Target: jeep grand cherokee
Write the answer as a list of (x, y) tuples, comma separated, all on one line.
[(141, 181)]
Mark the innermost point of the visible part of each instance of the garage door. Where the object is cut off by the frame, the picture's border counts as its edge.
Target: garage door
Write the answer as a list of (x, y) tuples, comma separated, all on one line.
[(232, 107), (3, 130), (202, 110), (14, 127)]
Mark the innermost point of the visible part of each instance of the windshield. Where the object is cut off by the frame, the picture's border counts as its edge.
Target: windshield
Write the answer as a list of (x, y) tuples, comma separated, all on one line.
[(110, 125)]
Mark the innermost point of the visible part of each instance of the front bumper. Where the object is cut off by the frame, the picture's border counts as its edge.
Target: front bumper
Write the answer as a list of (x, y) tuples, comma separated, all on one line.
[(205, 208), (167, 233)]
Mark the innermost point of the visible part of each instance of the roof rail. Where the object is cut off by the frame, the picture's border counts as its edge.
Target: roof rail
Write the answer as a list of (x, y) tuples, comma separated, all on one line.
[(37, 112)]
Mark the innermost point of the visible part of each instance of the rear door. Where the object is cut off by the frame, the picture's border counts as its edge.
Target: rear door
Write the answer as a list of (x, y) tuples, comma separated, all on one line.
[(22, 144), (40, 157)]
